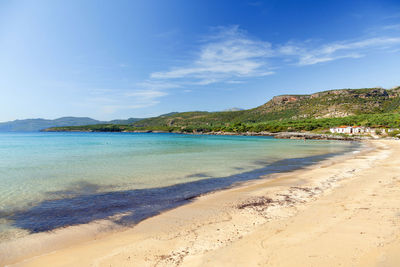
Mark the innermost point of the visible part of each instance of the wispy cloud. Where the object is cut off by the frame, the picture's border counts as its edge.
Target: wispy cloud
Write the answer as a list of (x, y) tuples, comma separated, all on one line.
[(146, 95), (111, 101), (306, 55), (231, 56), (393, 16), (157, 85), (391, 27), (226, 55)]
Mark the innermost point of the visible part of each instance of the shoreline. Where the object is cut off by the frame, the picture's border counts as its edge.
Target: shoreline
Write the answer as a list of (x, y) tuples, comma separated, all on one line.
[(278, 135), (79, 235)]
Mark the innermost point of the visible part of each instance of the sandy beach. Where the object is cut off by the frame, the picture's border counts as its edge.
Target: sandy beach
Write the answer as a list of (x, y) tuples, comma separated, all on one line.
[(343, 211)]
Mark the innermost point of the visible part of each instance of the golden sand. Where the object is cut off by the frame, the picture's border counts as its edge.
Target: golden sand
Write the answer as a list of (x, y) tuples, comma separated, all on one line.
[(341, 212)]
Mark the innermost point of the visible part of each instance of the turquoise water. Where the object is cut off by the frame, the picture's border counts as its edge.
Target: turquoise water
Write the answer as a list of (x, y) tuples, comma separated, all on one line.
[(51, 180)]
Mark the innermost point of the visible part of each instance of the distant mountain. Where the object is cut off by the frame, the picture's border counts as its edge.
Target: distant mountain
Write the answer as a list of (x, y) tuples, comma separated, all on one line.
[(32, 125), (168, 114), (127, 121), (233, 109)]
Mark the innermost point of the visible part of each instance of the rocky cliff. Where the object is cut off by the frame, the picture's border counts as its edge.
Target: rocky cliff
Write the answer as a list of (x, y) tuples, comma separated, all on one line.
[(333, 103)]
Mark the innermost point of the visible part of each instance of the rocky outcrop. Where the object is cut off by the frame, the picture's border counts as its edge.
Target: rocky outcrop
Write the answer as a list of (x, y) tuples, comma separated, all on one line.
[(305, 136), (363, 93), (332, 103), (295, 135), (283, 99), (331, 92)]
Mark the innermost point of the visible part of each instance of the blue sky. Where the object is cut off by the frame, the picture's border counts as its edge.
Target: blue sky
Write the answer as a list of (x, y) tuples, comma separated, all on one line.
[(120, 59)]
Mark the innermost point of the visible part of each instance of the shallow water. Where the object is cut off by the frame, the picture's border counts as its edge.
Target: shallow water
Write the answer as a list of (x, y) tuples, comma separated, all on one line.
[(52, 180)]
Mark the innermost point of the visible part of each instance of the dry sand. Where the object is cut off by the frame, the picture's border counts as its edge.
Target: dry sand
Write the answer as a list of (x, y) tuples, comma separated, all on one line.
[(341, 212)]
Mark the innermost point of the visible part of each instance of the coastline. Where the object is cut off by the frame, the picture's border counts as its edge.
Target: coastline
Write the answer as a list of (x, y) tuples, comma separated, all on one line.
[(245, 203), (278, 135), (45, 241)]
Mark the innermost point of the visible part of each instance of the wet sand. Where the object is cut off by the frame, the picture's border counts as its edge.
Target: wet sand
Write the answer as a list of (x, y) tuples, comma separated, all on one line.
[(343, 211)]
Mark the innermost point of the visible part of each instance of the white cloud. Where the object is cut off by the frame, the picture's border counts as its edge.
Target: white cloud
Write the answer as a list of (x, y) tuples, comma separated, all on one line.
[(391, 27), (235, 82), (371, 42), (144, 95), (230, 56), (227, 55), (111, 101), (311, 59), (304, 55), (157, 85)]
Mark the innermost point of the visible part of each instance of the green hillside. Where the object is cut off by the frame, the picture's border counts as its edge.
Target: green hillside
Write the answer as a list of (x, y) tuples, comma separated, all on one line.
[(368, 107), (328, 104)]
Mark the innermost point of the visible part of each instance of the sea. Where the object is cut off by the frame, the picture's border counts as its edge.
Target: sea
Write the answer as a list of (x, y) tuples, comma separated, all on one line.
[(54, 180)]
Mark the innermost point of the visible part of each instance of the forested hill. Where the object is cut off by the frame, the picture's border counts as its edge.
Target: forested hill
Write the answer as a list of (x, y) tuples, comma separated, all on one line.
[(327, 104), (368, 107), (31, 125)]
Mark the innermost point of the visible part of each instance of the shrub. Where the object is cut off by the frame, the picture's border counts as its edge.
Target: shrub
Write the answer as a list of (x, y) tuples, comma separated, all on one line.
[(394, 133)]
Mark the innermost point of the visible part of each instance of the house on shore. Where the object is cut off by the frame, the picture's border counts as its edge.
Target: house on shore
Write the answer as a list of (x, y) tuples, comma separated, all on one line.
[(344, 129)]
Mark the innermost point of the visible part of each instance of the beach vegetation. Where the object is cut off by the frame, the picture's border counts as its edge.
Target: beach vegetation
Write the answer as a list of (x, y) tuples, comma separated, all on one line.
[(394, 133)]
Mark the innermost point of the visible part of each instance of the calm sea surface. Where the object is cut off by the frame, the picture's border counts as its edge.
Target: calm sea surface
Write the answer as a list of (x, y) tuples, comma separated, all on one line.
[(52, 180)]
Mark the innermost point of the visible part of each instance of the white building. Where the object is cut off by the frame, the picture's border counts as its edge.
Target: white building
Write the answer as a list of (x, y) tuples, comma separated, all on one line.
[(344, 129)]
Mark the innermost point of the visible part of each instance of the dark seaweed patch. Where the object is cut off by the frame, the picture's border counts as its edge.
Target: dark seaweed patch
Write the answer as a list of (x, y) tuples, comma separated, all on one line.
[(85, 202)]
